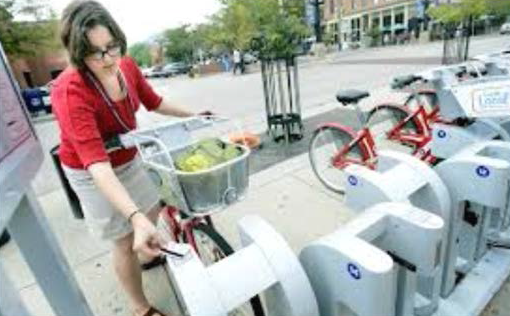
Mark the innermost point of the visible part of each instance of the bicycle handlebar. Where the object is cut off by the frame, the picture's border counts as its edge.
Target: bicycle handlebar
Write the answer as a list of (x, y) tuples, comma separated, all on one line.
[(145, 136)]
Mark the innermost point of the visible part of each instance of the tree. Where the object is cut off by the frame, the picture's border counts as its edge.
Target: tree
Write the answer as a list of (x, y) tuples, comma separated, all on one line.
[(499, 8), (179, 43), (26, 27), (234, 26), (271, 27), (141, 53), (466, 9)]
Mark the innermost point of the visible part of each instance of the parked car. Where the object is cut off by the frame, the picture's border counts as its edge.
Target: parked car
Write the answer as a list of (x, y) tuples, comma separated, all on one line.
[(146, 72), (155, 72), (177, 68), (505, 29), (249, 58)]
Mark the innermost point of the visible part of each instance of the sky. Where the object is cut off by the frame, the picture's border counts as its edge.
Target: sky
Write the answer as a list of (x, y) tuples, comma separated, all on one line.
[(141, 19)]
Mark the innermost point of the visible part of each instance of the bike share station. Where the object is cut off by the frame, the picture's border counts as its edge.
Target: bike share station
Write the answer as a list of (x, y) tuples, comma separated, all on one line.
[(469, 191), (427, 241)]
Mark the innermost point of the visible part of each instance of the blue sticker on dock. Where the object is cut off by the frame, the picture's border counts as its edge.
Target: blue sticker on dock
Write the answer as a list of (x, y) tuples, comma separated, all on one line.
[(353, 180), (354, 271), (483, 172)]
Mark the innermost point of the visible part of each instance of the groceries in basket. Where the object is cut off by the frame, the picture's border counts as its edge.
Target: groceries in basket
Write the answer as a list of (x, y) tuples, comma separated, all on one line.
[(206, 154)]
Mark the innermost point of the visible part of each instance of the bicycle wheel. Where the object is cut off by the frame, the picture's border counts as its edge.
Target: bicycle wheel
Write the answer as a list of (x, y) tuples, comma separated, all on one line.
[(428, 99), (382, 119), (212, 247), (325, 146)]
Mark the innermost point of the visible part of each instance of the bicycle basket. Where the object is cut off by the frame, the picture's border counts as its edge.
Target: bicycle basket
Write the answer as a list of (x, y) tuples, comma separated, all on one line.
[(216, 187), (197, 192)]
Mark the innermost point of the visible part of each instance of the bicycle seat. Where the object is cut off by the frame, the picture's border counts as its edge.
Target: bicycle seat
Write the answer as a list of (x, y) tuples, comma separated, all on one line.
[(351, 96)]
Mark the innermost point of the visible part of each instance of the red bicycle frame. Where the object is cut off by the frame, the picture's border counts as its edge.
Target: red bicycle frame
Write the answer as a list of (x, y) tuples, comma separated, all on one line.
[(183, 226), (367, 148), (366, 143), (420, 139)]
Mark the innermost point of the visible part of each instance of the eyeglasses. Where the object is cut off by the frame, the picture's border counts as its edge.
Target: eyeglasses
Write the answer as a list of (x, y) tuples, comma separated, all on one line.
[(112, 51)]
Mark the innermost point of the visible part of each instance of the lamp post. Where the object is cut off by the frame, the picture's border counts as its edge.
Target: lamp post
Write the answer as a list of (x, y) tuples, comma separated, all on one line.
[(317, 10), (339, 14)]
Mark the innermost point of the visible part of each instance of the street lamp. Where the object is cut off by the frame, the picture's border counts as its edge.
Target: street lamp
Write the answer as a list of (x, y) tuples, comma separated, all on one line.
[(317, 5)]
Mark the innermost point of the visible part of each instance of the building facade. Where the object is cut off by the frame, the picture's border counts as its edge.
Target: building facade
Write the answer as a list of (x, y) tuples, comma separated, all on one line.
[(385, 18), (331, 18), (352, 21)]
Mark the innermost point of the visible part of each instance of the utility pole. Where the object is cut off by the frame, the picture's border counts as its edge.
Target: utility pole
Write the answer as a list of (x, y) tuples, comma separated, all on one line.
[(339, 15), (317, 7)]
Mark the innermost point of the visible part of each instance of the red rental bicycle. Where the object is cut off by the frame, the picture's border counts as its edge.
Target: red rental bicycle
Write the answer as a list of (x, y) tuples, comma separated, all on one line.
[(428, 99), (334, 146)]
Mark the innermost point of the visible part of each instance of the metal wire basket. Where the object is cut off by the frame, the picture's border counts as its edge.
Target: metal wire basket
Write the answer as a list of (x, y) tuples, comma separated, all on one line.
[(196, 193)]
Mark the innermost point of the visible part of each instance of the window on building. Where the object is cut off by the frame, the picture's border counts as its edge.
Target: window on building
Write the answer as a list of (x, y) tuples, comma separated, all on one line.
[(387, 21), (332, 5), (399, 18), (376, 21), (355, 30)]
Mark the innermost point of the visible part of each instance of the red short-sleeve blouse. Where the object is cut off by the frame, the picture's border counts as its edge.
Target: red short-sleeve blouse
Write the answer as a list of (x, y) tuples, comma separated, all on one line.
[(85, 120)]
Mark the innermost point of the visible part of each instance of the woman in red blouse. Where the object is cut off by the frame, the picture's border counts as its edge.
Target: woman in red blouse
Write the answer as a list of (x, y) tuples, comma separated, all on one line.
[(94, 100)]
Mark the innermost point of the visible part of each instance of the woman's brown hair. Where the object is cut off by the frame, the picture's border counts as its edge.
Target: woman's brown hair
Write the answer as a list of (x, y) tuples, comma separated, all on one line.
[(79, 17)]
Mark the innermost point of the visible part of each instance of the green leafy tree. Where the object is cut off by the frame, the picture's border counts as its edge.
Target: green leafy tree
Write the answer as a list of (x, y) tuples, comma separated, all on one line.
[(179, 43), (375, 34), (141, 53), (499, 8), (466, 9), (234, 26), (27, 27), (271, 27)]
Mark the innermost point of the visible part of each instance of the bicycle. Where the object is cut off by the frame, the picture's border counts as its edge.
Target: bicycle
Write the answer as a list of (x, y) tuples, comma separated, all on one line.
[(342, 145), (185, 216), (473, 69)]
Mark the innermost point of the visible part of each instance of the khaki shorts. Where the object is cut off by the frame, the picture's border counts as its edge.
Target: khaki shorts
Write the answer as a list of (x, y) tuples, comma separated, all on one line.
[(101, 218)]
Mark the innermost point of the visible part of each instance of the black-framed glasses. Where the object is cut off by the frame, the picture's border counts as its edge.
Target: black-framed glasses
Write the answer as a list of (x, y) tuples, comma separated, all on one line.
[(112, 51)]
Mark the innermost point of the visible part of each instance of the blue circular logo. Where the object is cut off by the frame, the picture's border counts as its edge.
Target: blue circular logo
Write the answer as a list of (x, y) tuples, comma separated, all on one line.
[(441, 134), (483, 172), (354, 271), (353, 180)]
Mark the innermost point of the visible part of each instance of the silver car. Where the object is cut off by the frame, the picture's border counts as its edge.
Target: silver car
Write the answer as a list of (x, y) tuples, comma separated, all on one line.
[(505, 28)]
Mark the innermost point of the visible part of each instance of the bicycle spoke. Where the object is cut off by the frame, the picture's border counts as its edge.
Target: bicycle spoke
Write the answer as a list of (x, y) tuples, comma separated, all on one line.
[(385, 124), (328, 151)]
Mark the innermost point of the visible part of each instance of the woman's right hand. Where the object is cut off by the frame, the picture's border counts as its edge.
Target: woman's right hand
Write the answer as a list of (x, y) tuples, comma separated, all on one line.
[(146, 237)]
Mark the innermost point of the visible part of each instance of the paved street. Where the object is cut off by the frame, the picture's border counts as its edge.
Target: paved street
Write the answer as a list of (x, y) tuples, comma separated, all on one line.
[(242, 96), (287, 194)]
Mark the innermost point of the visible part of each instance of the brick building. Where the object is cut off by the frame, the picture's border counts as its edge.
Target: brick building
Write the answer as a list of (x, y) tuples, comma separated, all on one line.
[(352, 20), (331, 17)]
